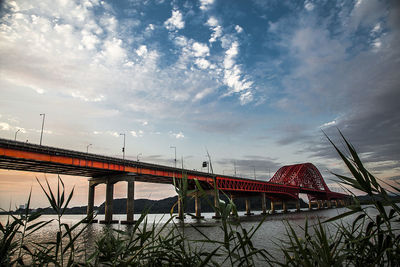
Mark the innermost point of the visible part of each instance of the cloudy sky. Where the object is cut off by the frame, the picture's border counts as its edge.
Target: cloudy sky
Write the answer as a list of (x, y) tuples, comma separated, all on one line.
[(254, 82)]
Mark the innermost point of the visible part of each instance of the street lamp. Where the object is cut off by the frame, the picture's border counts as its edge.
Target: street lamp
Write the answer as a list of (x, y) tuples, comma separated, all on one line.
[(41, 133), (137, 157), (87, 148), (15, 137), (174, 147), (123, 149)]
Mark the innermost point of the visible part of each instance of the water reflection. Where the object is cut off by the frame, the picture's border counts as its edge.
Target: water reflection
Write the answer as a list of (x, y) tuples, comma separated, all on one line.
[(268, 235)]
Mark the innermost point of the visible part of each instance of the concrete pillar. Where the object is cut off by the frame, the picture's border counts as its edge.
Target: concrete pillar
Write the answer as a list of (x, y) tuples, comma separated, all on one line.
[(181, 216), (216, 205), (272, 211), (263, 204), (284, 207), (248, 211), (318, 204), (130, 203), (335, 201), (329, 204), (90, 206), (197, 206), (109, 203), (298, 205), (309, 205)]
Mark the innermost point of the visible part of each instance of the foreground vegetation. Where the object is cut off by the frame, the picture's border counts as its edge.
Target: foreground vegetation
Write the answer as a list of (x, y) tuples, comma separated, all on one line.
[(367, 241)]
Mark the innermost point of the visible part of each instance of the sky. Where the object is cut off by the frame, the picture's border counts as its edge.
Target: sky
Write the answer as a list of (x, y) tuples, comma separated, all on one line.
[(253, 82)]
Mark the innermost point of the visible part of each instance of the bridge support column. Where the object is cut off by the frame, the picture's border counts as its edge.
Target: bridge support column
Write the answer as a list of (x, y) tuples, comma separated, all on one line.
[(329, 204), (318, 204), (248, 211), (309, 205), (263, 204), (284, 207), (335, 202), (197, 206), (90, 206), (298, 205), (109, 203), (216, 205), (181, 214), (272, 211), (130, 203)]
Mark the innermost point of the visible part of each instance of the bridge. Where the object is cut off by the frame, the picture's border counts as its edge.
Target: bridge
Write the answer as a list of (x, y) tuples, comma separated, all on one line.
[(285, 186)]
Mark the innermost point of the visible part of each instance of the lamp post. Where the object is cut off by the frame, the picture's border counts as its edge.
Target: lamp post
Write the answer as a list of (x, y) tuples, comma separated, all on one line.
[(15, 137), (137, 157), (41, 133), (174, 147), (123, 149), (87, 148)]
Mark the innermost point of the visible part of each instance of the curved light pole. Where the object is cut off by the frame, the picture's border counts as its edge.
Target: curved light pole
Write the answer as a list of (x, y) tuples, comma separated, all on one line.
[(137, 157), (15, 137), (123, 149), (41, 133), (87, 148)]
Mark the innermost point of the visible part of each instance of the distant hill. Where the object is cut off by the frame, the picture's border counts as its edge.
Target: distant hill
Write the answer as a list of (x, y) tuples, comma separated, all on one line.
[(165, 205)]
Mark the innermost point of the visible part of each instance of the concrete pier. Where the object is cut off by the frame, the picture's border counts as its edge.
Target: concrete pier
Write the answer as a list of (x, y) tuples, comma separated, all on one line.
[(284, 207), (248, 210), (298, 205), (130, 203), (272, 211), (216, 205), (263, 204), (197, 206), (90, 206), (109, 204)]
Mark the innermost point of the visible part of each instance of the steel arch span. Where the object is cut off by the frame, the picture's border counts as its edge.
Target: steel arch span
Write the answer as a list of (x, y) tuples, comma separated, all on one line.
[(304, 175)]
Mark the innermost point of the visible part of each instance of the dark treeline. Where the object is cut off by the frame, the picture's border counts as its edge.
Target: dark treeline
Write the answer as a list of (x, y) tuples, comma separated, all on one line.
[(164, 205)]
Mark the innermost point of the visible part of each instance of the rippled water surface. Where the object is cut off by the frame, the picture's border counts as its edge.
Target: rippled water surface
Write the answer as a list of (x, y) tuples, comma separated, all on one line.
[(271, 231)]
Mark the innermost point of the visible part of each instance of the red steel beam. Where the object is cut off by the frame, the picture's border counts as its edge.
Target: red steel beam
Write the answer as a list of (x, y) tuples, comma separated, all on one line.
[(55, 162)]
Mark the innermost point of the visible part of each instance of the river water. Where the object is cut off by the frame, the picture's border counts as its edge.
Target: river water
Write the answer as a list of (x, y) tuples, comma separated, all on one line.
[(268, 235)]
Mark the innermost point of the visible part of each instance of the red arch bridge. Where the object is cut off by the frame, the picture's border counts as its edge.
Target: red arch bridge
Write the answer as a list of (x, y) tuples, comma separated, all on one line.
[(286, 185)]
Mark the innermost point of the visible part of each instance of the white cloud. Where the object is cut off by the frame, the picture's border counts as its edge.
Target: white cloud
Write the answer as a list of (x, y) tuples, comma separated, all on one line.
[(79, 95), (4, 126), (113, 52), (212, 22), (178, 135), (328, 124), (202, 63), (181, 41), (142, 51), (175, 21), (206, 4), (150, 27), (200, 95), (233, 76), (217, 29), (200, 50), (115, 134), (238, 29), (308, 5)]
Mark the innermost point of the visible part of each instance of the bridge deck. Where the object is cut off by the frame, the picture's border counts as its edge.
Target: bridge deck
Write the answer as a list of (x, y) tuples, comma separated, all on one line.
[(22, 156)]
